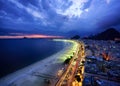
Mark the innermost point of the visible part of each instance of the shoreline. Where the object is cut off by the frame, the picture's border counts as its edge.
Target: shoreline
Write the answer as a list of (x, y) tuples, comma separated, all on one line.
[(23, 74)]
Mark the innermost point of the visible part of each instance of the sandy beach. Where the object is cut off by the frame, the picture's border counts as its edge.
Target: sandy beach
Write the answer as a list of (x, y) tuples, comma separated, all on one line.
[(35, 74)]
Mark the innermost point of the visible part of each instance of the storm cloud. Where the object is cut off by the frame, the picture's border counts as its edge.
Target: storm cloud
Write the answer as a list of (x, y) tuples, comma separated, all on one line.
[(60, 16)]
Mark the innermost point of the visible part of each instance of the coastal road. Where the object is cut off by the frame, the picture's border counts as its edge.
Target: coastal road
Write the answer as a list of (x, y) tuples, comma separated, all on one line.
[(71, 73), (79, 68)]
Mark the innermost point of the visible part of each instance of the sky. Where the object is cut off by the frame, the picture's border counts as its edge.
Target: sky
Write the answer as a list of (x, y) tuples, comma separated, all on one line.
[(59, 17)]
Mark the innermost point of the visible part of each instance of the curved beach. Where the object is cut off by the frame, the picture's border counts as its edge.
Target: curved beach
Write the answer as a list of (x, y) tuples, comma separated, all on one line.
[(35, 74)]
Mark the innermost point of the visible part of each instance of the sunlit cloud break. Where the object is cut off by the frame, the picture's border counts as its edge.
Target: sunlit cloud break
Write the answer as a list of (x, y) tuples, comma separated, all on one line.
[(75, 10)]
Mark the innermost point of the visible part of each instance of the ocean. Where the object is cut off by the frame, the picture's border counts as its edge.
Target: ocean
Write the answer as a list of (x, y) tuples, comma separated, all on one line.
[(18, 53)]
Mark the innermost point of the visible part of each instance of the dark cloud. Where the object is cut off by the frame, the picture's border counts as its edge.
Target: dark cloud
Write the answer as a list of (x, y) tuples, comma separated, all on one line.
[(27, 2), (60, 16), (110, 20)]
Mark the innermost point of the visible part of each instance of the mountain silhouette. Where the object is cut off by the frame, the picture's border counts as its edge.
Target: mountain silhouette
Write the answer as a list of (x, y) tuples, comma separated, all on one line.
[(109, 34), (75, 37)]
